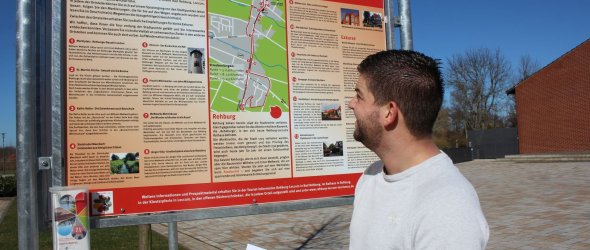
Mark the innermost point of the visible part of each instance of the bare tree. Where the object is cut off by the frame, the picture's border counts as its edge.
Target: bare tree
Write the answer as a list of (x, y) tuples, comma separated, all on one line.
[(527, 66), (440, 130), (477, 80)]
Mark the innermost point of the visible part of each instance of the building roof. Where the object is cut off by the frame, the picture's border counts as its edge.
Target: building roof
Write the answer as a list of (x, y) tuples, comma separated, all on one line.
[(512, 90)]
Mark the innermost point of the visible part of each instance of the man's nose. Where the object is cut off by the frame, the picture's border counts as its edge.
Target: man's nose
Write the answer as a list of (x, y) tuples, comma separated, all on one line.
[(351, 103)]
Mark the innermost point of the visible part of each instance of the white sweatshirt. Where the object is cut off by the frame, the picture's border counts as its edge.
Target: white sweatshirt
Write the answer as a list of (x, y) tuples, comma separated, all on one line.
[(428, 206)]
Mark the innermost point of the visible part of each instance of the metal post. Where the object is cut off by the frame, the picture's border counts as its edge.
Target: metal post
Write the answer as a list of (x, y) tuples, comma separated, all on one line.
[(57, 80), (172, 236), (145, 236), (389, 25), (406, 25), (28, 214), (43, 104)]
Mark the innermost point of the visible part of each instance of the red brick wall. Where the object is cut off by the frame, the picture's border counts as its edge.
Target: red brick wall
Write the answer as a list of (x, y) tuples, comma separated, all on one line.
[(553, 106)]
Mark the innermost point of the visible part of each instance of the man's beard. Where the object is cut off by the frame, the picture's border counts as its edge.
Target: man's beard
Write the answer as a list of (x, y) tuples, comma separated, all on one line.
[(367, 131)]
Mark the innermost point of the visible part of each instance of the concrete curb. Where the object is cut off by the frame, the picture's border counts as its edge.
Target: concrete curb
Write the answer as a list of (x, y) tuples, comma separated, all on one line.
[(538, 158)]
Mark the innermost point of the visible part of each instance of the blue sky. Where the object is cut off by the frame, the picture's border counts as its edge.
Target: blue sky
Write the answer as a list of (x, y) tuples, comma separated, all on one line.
[(8, 71), (543, 29)]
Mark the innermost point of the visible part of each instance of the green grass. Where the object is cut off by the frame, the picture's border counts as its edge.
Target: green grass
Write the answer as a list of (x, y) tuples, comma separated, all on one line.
[(227, 8), (117, 164), (103, 238)]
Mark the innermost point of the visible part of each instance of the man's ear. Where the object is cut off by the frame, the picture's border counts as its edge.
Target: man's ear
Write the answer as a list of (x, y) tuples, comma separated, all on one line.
[(391, 117)]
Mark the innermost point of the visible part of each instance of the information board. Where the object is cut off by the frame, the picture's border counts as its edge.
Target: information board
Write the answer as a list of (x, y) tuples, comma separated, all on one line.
[(185, 104)]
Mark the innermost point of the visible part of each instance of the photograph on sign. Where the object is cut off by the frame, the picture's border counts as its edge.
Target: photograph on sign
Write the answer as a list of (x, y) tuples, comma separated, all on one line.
[(102, 203)]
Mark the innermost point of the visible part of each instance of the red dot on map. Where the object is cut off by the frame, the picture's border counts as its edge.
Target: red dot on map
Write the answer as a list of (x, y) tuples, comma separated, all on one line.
[(146, 151), (72, 146), (72, 108), (145, 80), (296, 136), (146, 115), (144, 44), (72, 40), (275, 112), (71, 69), (294, 98)]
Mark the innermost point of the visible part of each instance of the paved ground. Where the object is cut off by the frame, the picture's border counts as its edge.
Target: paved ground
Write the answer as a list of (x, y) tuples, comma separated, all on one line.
[(527, 205), (4, 204)]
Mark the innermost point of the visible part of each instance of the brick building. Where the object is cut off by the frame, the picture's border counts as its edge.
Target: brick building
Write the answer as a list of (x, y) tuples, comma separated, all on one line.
[(553, 105)]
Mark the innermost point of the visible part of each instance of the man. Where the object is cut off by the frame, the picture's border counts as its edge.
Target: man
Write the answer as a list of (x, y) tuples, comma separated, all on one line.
[(414, 197)]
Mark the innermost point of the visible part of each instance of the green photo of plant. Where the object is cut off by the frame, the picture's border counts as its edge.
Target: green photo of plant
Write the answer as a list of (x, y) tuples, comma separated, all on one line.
[(125, 163)]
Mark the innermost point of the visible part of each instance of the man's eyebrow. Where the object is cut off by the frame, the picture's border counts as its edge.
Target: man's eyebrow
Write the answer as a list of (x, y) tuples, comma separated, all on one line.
[(359, 93)]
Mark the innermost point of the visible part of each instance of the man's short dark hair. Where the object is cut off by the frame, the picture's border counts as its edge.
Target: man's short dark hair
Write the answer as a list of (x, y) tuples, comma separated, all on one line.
[(410, 79)]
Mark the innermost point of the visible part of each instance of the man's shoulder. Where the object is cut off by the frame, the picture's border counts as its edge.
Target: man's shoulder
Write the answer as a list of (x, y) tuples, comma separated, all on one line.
[(449, 182), (448, 211), (445, 183), (375, 168)]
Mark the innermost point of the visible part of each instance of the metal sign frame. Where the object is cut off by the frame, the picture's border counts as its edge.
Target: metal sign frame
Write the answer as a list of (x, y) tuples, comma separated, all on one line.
[(41, 133)]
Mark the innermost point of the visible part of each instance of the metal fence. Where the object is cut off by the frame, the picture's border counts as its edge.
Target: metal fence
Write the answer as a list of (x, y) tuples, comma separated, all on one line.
[(493, 143), (459, 155), (486, 144)]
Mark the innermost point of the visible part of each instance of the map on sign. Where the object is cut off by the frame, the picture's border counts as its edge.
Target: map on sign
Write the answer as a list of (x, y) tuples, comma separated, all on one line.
[(247, 56)]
